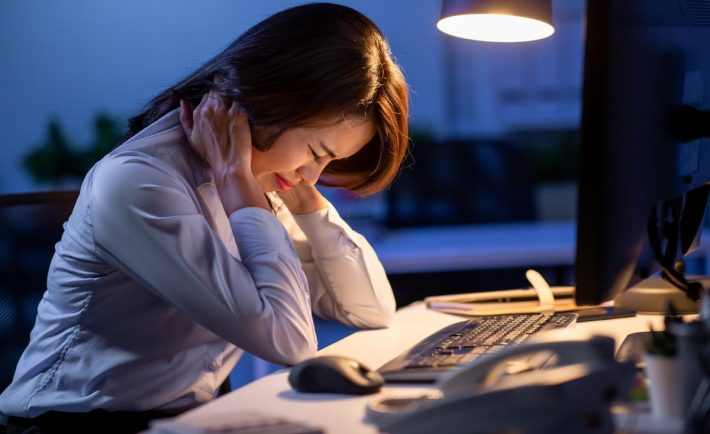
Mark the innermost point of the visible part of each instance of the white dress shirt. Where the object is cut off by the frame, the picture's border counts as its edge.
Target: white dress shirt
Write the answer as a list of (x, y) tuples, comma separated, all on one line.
[(154, 292)]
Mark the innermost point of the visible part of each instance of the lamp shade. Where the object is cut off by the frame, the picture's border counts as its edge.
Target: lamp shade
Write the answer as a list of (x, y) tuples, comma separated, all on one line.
[(497, 20)]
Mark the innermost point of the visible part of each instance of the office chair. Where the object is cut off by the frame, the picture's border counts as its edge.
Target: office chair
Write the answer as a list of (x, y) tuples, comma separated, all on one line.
[(30, 225)]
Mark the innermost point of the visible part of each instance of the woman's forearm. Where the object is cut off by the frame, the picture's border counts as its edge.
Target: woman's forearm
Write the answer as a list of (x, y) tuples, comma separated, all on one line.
[(347, 282), (238, 190), (303, 199)]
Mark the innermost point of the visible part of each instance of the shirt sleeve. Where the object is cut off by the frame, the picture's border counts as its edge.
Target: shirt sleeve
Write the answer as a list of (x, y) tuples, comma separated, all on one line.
[(347, 280), (147, 222)]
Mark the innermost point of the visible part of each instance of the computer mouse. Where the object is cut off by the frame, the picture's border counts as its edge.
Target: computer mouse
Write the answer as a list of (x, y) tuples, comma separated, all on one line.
[(334, 374)]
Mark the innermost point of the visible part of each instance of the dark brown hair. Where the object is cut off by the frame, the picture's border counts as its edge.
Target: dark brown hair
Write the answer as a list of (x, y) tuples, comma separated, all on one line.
[(299, 67)]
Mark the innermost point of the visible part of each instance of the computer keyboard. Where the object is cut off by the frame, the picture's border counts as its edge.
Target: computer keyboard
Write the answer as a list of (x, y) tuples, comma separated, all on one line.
[(465, 341)]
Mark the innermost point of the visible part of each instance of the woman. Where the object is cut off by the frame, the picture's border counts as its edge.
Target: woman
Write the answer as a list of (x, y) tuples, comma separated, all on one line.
[(203, 234)]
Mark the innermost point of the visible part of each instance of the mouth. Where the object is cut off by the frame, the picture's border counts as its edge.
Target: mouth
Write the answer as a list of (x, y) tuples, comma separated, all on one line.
[(283, 183)]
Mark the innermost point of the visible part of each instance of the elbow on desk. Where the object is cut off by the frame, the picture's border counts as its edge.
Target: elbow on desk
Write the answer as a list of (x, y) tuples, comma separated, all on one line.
[(285, 350), (291, 342), (275, 336), (387, 310), (383, 322), (294, 351), (375, 319)]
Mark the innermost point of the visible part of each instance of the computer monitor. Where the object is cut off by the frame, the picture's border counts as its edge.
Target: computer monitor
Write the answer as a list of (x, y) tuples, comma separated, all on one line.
[(645, 156)]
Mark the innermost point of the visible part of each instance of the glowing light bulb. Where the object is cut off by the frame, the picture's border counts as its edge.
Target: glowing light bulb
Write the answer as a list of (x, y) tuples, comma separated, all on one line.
[(495, 27)]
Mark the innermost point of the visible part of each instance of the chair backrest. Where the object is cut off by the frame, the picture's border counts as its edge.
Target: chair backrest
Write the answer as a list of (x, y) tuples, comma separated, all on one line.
[(30, 225)]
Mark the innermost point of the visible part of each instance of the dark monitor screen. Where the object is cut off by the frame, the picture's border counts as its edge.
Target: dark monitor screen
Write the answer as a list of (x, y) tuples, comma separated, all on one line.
[(644, 160)]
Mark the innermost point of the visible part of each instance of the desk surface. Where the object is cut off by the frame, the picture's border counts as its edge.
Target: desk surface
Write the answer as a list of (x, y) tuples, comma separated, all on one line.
[(273, 395)]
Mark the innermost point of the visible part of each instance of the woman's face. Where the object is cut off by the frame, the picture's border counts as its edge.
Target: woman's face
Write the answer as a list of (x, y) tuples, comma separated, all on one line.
[(300, 154)]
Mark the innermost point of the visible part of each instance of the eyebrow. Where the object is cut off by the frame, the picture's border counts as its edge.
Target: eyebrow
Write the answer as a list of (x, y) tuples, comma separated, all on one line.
[(328, 151)]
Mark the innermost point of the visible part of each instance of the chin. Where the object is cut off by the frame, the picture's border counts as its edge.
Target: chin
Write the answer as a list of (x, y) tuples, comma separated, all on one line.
[(266, 187)]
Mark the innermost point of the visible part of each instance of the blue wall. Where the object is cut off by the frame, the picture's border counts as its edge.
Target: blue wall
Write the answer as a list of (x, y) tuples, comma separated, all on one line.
[(71, 59)]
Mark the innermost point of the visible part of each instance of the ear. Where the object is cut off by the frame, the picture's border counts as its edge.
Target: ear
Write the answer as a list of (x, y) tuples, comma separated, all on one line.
[(264, 137)]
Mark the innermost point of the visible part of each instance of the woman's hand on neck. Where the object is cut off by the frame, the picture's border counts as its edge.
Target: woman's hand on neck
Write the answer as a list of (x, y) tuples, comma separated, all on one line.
[(303, 199), (221, 137)]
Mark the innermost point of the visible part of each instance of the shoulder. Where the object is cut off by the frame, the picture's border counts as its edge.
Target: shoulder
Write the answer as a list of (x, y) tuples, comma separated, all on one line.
[(134, 181), (132, 171)]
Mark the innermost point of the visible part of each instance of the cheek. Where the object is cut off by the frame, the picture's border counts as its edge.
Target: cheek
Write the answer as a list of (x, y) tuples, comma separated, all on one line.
[(258, 162), (273, 161)]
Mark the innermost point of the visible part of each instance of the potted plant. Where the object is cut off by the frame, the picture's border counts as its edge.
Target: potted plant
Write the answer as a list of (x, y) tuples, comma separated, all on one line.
[(58, 162), (661, 367)]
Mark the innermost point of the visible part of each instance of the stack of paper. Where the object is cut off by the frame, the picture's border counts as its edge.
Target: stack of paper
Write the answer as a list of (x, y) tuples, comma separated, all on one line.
[(237, 422), (503, 302)]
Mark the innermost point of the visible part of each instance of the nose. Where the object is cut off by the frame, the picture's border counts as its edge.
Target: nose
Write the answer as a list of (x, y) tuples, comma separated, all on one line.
[(309, 173)]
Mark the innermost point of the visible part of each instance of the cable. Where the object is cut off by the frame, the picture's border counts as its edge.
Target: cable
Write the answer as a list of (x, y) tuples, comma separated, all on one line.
[(670, 231)]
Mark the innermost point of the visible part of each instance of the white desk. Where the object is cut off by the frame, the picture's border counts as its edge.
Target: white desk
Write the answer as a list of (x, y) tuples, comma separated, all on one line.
[(346, 414)]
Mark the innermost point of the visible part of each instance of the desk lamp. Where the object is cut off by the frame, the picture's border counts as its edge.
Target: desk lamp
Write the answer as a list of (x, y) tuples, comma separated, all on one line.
[(497, 20)]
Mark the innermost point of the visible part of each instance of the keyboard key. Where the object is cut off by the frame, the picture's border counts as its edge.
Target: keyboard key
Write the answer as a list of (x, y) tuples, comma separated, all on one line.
[(464, 342)]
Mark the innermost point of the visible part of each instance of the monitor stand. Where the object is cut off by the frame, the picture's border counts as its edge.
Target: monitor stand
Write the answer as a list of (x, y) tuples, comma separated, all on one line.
[(651, 296)]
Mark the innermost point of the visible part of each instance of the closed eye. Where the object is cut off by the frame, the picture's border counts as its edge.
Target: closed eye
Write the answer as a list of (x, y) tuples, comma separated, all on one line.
[(317, 158)]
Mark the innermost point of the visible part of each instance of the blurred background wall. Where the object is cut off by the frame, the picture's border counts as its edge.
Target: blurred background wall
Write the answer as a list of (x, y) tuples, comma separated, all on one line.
[(493, 127), (71, 61)]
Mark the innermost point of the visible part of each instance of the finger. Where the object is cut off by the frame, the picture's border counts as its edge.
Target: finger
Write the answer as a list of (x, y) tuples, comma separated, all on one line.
[(222, 104), (214, 100), (234, 109), (233, 114), (197, 113), (186, 116), (203, 102), (239, 130)]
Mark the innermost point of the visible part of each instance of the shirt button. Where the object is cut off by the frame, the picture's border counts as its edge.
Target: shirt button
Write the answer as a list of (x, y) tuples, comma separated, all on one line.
[(213, 365)]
